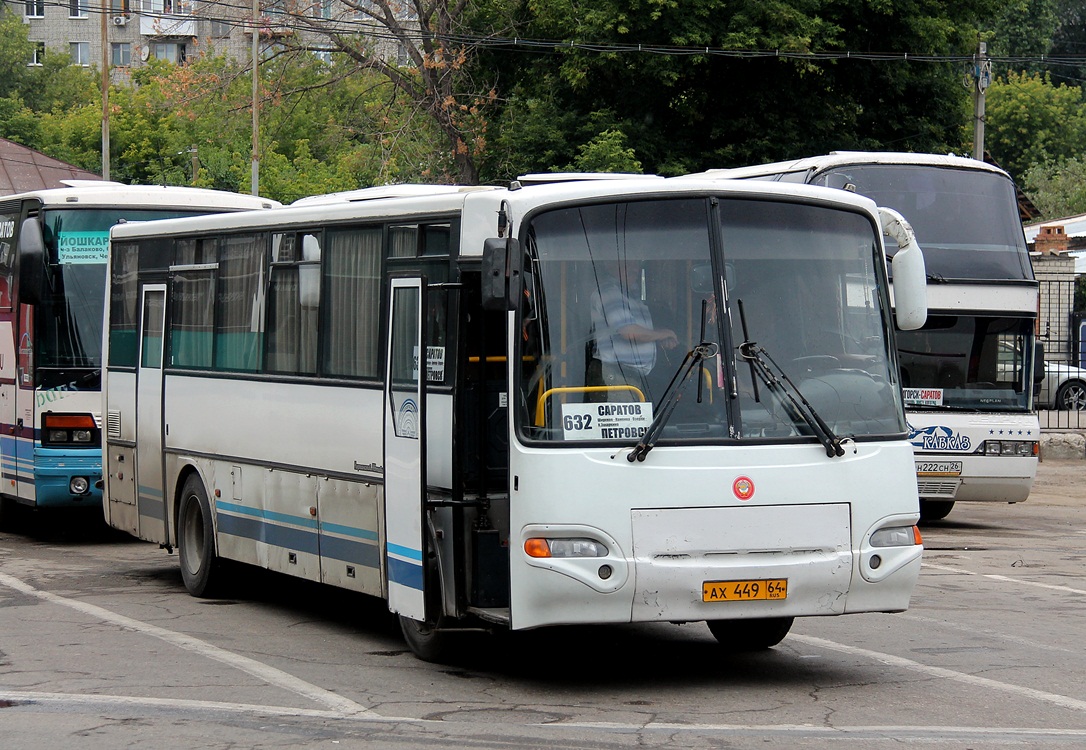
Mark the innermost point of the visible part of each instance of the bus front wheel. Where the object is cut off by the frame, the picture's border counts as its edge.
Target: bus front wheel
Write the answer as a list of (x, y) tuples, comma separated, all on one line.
[(750, 635), (426, 641), (196, 540), (935, 510)]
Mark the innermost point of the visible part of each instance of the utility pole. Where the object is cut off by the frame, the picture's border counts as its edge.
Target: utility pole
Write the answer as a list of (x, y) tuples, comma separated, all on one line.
[(105, 90), (256, 102), (983, 77)]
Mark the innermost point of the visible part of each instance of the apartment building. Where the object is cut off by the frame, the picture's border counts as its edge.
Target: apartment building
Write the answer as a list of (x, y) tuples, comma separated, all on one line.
[(136, 31)]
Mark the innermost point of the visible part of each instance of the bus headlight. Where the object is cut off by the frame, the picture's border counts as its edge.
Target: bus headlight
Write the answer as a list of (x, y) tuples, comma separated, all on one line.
[(896, 536), (574, 547), (78, 486), (1008, 448), (68, 430)]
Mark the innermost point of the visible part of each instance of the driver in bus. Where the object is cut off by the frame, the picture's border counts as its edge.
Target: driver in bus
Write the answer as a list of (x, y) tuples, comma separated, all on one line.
[(624, 340)]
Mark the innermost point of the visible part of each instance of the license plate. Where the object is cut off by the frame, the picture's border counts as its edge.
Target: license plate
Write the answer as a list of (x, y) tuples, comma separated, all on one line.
[(938, 468), (744, 591)]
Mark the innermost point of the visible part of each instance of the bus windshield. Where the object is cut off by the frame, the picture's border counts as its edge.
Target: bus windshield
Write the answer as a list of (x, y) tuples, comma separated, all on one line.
[(964, 362), (966, 221), (620, 293), (68, 346)]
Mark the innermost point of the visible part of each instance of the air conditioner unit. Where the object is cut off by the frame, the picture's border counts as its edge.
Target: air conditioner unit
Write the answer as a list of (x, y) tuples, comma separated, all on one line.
[(119, 20)]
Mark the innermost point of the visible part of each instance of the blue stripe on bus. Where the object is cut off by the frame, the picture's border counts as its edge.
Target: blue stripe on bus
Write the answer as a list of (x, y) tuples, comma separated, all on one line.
[(336, 528), (267, 515), (150, 492), (350, 551), (255, 524), (410, 554), (405, 573), (152, 507), (278, 536)]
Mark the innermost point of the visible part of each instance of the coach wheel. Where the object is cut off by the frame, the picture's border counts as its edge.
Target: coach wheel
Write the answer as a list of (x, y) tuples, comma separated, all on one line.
[(426, 641), (935, 510), (196, 540), (750, 635)]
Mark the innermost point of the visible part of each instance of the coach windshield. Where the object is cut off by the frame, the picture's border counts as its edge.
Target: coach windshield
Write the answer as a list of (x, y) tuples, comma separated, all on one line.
[(626, 320)]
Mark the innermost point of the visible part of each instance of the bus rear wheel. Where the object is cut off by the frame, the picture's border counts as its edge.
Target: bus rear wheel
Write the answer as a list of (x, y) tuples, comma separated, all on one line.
[(196, 541), (935, 510), (750, 635)]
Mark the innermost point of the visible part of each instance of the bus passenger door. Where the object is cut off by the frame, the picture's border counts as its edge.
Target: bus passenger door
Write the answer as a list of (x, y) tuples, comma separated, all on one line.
[(150, 500), (405, 449)]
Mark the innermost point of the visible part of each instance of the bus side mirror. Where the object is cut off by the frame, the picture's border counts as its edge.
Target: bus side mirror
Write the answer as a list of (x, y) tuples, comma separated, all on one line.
[(503, 274), (32, 259), (1038, 365), (910, 273)]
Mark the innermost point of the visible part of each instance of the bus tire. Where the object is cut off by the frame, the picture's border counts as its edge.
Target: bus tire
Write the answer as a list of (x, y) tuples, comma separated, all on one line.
[(425, 640), (196, 540), (750, 635), (935, 510)]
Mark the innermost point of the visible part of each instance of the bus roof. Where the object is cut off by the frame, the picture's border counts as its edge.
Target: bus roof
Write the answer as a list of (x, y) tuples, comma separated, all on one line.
[(84, 193), (848, 158), (481, 207), (384, 191)]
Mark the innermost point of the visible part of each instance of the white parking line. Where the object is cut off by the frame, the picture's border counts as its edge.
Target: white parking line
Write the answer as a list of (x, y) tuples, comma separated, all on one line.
[(1005, 579), (270, 675), (1055, 699)]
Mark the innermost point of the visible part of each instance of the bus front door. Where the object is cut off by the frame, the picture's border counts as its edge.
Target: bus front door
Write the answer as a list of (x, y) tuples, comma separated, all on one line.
[(405, 449), (150, 499)]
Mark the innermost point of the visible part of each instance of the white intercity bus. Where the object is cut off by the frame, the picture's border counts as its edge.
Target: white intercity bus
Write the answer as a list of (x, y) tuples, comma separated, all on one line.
[(53, 249), (542, 405), (969, 373)]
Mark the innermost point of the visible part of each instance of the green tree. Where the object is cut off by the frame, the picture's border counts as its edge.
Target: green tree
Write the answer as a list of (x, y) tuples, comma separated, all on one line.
[(1025, 29), (1057, 188), (1032, 121), (687, 112), (16, 50)]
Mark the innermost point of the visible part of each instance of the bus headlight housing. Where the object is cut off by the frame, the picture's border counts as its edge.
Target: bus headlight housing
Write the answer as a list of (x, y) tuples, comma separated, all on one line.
[(896, 536), (570, 547), (1009, 448), (66, 430)]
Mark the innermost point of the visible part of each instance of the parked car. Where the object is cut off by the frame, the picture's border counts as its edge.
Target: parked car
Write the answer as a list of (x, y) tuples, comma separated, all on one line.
[(1063, 387)]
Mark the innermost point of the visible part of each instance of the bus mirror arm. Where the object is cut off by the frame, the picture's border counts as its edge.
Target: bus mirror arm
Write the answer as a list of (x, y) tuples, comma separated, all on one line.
[(910, 275), (32, 262), (503, 274)]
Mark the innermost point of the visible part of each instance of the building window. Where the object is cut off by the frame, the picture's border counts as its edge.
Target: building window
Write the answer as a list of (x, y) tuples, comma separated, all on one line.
[(220, 29), (168, 7), (118, 7), (170, 51), (77, 8), (80, 52), (120, 54), (323, 55), (38, 58), (322, 8), (35, 8)]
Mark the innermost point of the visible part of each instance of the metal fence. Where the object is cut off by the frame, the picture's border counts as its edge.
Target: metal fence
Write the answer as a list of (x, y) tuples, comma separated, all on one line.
[(1061, 332)]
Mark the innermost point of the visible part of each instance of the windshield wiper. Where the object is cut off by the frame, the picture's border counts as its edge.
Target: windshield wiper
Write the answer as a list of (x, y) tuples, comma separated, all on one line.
[(757, 356), (674, 391), (672, 395)]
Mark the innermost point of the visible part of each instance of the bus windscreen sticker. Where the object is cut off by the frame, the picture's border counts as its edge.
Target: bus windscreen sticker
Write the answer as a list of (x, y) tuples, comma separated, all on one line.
[(923, 396), (608, 421), (82, 247)]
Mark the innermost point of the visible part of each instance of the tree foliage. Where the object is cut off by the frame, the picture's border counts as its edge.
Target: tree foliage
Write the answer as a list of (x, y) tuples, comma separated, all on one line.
[(686, 112), (1032, 121), (1058, 189)]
